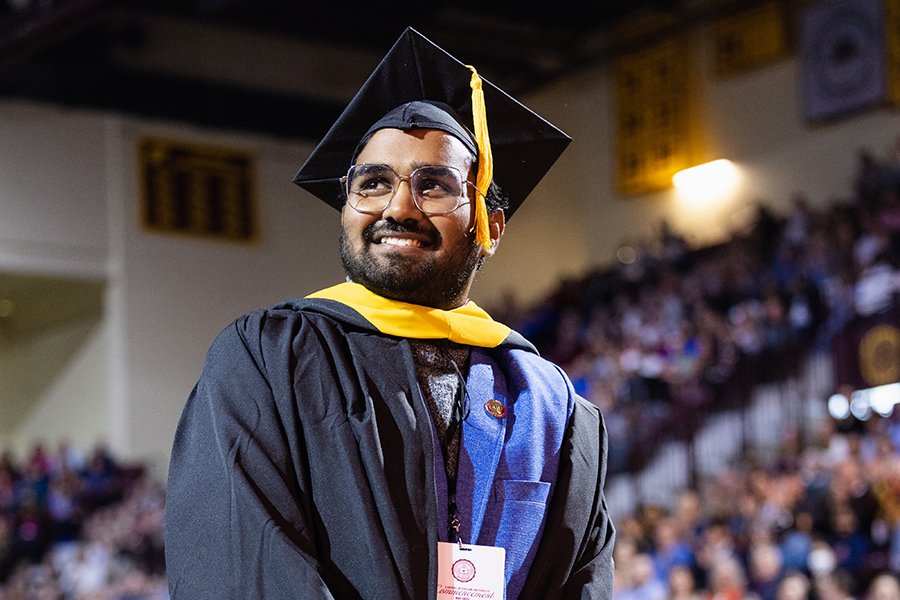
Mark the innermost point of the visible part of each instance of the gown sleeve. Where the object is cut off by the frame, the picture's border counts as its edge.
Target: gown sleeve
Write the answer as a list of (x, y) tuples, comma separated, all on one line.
[(575, 556), (237, 522), (592, 574)]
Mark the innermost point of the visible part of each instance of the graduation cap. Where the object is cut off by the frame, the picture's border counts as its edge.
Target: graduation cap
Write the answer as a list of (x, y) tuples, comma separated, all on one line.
[(520, 148)]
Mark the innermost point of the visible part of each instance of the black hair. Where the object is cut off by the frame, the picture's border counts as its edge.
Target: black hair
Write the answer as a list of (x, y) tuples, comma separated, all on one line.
[(495, 198)]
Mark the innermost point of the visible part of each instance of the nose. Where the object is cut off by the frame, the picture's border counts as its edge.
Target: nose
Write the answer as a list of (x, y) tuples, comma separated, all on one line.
[(402, 205)]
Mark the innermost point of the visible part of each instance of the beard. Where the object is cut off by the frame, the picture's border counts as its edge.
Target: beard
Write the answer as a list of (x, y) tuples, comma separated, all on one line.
[(439, 282)]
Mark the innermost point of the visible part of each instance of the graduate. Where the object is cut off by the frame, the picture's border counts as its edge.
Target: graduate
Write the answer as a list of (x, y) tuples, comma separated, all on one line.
[(385, 438)]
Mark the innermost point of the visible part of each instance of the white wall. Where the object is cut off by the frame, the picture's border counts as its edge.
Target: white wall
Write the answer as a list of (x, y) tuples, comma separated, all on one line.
[(53, 222), (68, 375), (52, 210)]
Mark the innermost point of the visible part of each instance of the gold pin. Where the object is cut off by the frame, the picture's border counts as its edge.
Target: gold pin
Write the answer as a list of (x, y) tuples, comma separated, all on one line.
[(495, 408)]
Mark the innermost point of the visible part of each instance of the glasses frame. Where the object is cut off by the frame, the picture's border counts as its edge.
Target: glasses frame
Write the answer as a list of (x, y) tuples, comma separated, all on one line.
[(460, 200)]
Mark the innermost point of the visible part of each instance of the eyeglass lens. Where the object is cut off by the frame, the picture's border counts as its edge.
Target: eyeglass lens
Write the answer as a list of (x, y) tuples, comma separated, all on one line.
[(436, 189)]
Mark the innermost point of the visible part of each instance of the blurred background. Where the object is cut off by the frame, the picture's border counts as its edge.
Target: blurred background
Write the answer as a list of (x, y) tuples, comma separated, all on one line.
[(714, 260)]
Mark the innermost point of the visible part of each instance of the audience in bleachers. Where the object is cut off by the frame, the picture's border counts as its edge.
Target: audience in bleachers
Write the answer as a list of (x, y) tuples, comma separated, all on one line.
[(824, 523), (673, 334), (820, 521), (79, 529)]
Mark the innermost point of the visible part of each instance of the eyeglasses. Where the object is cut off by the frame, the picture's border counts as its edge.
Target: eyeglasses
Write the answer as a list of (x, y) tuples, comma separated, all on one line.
[(436, 189)]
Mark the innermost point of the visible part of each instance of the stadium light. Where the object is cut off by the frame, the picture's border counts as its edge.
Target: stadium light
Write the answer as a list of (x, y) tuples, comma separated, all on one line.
[(709, 181), (882, 398), (838, 407), (862, 403)]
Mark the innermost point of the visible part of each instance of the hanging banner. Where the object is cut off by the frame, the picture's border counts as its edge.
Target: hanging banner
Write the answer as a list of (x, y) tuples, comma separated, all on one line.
[(842, 57), (652, 116), (749, 40), (867, 352), (198, 190), (892, 39)]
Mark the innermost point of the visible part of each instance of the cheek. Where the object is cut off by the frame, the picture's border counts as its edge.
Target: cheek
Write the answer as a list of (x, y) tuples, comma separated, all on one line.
[(454, 226), (353, 224)]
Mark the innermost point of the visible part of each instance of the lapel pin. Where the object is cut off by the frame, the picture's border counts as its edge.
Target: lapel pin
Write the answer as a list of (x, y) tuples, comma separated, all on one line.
[(495, 408)]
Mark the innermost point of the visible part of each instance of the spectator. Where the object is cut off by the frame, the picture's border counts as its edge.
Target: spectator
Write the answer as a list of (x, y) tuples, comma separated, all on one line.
[(794, 586), (669, 551), (765, 570), (876, 286), (835, 585), (796, 542), (884, 587), (682, 585), (642, 583), (727, 581)]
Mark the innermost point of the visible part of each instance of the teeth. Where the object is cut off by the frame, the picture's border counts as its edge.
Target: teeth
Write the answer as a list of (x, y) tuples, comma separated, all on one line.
[(392, 241)]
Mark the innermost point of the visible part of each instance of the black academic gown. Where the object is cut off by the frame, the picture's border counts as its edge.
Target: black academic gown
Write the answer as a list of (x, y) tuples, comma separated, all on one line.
[(304, 467)]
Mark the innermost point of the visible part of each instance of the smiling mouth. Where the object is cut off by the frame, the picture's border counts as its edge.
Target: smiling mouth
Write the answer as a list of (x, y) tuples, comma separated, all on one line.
[(403, 242)]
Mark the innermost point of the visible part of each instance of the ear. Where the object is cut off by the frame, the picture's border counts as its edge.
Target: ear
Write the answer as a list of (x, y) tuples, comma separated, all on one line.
[(496, 225)]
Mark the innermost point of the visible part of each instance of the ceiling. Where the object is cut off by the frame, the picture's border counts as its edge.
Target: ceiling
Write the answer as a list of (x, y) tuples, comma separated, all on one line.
[(279, 67)]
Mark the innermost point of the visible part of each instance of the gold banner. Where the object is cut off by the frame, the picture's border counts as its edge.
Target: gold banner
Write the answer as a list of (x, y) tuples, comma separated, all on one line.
[(749, 40), (197, 190), (892, 45), (652, 116)]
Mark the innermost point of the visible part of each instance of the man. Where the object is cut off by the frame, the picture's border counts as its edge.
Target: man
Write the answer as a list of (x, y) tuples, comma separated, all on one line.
[(384, 438)]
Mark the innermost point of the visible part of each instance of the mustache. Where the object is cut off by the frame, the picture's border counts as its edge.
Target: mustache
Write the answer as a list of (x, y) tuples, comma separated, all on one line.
[(390, 226)]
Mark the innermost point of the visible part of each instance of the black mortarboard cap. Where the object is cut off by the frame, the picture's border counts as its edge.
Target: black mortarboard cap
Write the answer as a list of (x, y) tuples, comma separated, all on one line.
[(524, 145)]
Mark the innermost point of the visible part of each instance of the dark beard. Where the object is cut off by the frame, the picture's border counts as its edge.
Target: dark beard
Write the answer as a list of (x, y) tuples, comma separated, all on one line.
[(426, 283)]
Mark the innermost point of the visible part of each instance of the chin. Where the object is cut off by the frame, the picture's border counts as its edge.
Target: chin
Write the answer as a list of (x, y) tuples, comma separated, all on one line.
[(409, 279)]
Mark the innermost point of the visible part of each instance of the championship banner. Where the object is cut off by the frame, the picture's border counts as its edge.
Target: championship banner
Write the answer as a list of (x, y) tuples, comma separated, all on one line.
[(652, 116), (867, 352), (749, 40), (842, 57), (196, 189), (892, 37)]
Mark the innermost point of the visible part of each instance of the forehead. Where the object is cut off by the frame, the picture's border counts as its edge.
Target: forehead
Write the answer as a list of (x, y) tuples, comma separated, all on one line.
[(414, 147)]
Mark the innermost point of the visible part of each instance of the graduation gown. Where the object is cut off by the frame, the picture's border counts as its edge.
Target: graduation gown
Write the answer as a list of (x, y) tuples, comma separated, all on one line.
[(305, 466)]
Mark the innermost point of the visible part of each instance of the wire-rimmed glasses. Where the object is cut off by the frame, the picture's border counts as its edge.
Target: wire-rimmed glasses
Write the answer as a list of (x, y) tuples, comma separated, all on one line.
[(436, 189)]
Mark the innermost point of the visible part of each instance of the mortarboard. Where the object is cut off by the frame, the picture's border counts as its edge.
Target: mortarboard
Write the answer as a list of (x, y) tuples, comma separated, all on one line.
[(522, 145)]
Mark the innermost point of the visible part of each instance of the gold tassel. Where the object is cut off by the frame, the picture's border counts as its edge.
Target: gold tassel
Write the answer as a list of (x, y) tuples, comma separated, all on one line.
[(485, 160)]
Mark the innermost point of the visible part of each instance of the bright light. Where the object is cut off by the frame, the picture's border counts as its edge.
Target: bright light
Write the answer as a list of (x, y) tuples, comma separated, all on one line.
[(708, 181), (862, 403), (838, 407), (859, 405), (884, 397)]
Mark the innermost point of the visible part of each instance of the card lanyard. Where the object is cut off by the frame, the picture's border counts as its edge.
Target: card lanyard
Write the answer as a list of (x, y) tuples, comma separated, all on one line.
[(465, 570), (460, 409)]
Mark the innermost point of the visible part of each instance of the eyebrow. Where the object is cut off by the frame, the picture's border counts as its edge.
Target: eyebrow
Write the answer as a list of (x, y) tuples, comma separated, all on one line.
[(413, 165)]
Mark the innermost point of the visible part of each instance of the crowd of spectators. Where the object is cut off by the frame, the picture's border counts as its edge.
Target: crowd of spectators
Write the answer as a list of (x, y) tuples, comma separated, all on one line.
[(671, 334), (822, 522), (79, 528)]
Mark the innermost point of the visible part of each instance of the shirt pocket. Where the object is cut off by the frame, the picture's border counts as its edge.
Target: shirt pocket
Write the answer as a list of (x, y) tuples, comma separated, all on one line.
[(514, 519), (521, 490)]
